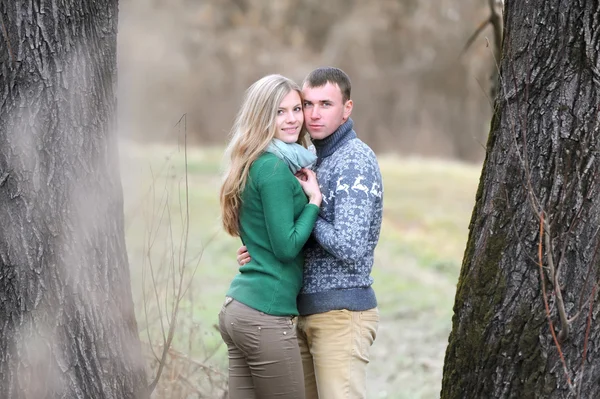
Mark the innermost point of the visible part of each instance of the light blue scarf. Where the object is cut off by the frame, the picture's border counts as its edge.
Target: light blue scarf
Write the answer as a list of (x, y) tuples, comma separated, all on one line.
[(294, 155)]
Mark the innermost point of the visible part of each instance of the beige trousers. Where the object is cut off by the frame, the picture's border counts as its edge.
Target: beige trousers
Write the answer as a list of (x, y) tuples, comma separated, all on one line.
[(335, 352), (264, 359)]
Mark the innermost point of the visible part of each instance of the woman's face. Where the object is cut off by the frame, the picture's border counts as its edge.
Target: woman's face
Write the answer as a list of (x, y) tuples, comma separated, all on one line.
[(289, 118)]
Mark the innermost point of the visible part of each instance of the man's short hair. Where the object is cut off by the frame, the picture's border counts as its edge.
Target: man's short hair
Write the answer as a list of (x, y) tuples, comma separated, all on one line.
[(321, 76)]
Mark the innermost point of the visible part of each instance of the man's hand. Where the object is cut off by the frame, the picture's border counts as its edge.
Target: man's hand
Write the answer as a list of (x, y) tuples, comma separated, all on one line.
[(243, 256)]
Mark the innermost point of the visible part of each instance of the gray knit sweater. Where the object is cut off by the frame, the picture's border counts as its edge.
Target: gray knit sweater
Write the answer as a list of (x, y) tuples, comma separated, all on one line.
[(339, 255)]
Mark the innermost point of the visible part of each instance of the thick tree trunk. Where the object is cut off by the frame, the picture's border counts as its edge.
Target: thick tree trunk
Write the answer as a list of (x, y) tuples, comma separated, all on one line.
[(67, 326), (542, 159)]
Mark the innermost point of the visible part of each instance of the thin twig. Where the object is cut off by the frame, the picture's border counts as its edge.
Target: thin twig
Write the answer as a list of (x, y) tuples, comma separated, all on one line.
[(545, 297), (472, 38), (564, 330), (522, 157), (585, 282), (585, 342), (146, 304), (178, 298), (175, 353)]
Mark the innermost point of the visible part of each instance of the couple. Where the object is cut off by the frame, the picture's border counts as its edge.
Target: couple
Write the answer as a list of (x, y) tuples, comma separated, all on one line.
[(309, 243)]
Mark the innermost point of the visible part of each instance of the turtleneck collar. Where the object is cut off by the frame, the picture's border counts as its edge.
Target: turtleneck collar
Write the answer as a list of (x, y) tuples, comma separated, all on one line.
[(331, 143)]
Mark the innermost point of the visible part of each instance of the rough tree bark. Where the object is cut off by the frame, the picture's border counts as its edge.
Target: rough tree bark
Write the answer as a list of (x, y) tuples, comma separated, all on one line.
[(67, 325), (542, 160)]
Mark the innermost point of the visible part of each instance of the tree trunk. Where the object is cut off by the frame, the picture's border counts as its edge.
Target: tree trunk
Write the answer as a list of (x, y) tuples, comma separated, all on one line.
[(542, 164), (67, 325)]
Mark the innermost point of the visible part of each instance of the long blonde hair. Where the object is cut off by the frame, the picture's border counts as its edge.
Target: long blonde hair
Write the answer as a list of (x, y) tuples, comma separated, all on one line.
[(252, 131)]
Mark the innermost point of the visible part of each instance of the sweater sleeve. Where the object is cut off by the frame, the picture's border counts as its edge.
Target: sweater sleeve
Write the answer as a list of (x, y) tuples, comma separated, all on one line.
[(286, 235), (358, 189)]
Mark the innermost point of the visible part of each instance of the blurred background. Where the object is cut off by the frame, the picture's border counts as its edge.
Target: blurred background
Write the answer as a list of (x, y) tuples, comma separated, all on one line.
[(414, 92), (421, 101)]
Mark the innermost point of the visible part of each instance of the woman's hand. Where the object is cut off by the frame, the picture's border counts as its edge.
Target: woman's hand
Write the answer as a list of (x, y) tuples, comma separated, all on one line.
[(308, 180), (243, 256)]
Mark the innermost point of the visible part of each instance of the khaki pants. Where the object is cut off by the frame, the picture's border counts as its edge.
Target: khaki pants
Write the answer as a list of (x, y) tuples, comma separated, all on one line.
[(335, 352), (264, 358)]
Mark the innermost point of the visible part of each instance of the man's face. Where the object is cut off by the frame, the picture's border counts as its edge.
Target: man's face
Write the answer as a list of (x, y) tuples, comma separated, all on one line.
[(324, 110)]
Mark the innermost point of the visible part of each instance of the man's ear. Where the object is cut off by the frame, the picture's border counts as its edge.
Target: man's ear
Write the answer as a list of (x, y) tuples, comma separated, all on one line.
[(347, 109)]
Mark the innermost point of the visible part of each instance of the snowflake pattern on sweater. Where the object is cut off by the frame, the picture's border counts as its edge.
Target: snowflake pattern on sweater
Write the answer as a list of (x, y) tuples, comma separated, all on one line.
[(340, 254)]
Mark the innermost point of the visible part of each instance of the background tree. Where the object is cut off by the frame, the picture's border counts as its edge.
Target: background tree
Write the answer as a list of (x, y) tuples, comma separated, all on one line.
[(526, 307), (67, 323)]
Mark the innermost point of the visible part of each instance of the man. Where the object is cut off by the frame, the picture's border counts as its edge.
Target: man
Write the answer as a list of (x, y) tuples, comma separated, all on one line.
[(338, 309)]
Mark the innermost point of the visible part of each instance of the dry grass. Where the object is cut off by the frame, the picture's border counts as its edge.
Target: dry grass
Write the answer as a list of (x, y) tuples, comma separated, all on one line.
[(427, 208)]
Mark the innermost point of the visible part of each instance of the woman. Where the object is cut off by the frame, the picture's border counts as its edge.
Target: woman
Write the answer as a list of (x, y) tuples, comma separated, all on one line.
[(266, 205)]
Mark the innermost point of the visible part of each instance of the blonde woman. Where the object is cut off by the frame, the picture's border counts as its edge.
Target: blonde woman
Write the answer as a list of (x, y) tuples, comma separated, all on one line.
[(273, 212)]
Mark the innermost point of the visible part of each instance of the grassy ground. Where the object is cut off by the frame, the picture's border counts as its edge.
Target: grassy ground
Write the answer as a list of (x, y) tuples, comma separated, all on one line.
[(427, 208)]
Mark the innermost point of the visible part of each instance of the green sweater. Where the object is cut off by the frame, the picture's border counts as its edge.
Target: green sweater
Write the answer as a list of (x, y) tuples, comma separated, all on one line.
[(275, 223)]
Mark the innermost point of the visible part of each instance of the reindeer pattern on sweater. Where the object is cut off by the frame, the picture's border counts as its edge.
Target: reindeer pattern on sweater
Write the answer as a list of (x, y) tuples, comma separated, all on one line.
[(340, 254)]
